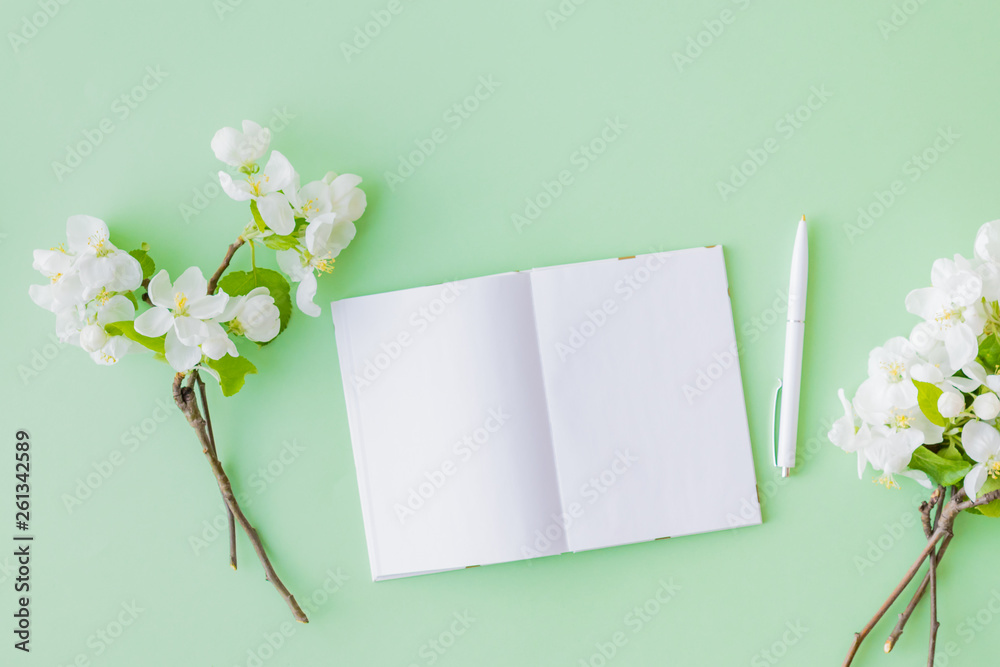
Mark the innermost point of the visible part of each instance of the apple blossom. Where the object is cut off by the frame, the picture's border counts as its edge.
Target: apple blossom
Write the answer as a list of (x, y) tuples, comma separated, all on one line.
[(982, 443), (179, 311)]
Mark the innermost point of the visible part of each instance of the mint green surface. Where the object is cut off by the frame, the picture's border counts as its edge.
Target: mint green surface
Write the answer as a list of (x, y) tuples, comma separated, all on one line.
[(831, 547)]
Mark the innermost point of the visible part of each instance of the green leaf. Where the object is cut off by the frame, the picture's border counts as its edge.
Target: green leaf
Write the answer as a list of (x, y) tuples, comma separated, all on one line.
[(945, 472), (238, 283), (127, 328), (276, 242), (145, 261), (256, 215), (989, 353), (232, 372), (927, 396), (991, 509)]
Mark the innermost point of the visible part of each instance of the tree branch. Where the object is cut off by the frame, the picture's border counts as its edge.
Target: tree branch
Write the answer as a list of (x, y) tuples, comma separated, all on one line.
[(184, 398), (215, 452), (949, 511), (213, 282), (932, 575)]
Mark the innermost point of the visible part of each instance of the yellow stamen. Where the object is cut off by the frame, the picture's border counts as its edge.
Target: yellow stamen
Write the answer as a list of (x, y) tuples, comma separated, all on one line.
[(993, 468), (325, 265), (887, 481), (180, 300), (103, 296), (894, 370)]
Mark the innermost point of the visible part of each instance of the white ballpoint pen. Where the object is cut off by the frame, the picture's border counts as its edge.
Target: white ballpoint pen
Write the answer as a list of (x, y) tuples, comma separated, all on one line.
[(789, 392)]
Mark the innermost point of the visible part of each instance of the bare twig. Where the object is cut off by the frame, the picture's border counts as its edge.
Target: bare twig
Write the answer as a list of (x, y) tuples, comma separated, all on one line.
[(184, 397), (215, 452), (915, 600), (213, 282), (943, 530), (932, 575)]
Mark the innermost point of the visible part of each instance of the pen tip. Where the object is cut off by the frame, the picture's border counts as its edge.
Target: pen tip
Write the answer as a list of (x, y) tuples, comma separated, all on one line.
[(803, 218)]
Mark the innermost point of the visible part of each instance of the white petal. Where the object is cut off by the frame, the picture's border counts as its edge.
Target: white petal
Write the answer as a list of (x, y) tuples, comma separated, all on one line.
[(96, 272), (160, 291), (126, 272), (927, 302), (190, 331), (305, 293), (257, 139), (180, 356), (238, 190), (117, 309), (191, 284), (278, 173), (207, 307), (277, 213), (154, 322), (226, 146), (81, 229), (974, 480), (291, 263), (42, 296), (962, 345), (980, 441)]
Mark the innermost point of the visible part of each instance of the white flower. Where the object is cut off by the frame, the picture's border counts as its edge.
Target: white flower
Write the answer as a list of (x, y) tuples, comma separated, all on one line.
[(253, 315), (64, 289), (104, 349), (265, 187), (988, 242), (217, 343), (100, 264), (890, 452), (348, 201), (951, 404), (952, 310), (241, 149), (848, 436), (875, 408), (889, 373), (324, 238), (311, 200), (986, 406), (179, 312), (982, 443)]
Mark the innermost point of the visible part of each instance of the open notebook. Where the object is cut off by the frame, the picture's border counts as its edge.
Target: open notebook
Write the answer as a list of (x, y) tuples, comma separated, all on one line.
[(533, 413)]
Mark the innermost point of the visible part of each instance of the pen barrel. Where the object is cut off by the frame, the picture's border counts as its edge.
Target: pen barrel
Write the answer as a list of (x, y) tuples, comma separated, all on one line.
[(791, 384)]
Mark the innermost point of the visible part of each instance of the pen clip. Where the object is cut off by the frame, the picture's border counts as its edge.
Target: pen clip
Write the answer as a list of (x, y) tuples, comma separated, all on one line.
[(777, 419)]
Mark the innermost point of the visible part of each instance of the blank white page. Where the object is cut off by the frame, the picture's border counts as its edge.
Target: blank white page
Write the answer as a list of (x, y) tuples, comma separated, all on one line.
[(645, 397), (448, 420)]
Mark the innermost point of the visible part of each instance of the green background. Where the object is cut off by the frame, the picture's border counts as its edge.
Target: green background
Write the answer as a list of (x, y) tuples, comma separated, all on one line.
[(831, 546)]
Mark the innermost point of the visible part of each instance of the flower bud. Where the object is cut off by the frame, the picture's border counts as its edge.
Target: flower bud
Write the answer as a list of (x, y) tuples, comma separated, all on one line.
[(951, 404), (986, 406), (93, 338)]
